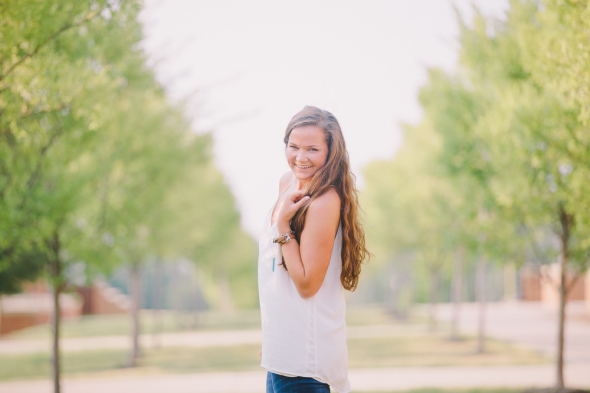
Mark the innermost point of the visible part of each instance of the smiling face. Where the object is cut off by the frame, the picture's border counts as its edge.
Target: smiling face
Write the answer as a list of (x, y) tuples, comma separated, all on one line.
[(307, 151)]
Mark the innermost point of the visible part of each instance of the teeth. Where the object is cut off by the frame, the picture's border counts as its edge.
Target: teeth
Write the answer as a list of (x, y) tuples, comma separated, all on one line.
[(302, 167)]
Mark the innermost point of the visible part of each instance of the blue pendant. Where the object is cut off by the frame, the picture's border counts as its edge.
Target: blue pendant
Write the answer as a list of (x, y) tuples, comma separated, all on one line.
[(273, 264)]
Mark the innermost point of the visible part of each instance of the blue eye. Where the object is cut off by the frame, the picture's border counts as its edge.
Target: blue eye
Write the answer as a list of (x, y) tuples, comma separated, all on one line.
[(312, 149)]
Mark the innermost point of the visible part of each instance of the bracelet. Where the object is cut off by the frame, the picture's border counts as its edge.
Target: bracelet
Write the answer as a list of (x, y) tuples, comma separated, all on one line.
[(282, 239)]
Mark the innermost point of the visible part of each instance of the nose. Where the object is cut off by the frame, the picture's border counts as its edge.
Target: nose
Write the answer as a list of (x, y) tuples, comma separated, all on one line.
[(301, 156)]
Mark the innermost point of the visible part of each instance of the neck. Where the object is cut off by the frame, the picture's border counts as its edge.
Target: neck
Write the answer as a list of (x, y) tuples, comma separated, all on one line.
[(303, 184)]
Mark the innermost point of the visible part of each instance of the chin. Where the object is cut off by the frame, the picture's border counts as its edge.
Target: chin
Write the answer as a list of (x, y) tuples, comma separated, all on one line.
[(303, 177)]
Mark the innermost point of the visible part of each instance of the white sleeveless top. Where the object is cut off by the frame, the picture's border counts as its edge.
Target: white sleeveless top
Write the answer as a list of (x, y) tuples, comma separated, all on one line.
[(302, 337)]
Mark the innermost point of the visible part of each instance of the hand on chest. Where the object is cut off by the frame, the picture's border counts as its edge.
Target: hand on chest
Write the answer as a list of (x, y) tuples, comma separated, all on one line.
[(277, 210)]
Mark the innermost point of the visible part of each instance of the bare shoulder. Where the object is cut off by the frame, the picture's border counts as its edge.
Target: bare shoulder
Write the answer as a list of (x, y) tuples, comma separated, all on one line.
[(322, 218), (285, 180), (327, 204)]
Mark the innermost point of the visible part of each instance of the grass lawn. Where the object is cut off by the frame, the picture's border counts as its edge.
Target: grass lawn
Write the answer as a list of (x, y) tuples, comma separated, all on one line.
[(168, 321), (165, 360), (435, 350), (171, 321), (402, 351)]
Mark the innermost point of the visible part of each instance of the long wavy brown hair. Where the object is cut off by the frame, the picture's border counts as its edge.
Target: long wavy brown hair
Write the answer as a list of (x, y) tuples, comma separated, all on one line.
[(334, 173)]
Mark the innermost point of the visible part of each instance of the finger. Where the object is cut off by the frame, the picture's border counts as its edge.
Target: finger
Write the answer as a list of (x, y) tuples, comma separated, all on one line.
[(296, 195), (302, 201)]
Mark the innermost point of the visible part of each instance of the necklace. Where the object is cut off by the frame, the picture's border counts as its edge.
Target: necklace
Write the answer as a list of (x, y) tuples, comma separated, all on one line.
[(276, 248)]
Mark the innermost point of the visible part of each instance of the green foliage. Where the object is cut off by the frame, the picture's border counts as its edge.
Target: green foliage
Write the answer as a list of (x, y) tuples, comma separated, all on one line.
[(28, 268), (513, 121), (95, 165), (412, 207), (58, 83), (499, 163)]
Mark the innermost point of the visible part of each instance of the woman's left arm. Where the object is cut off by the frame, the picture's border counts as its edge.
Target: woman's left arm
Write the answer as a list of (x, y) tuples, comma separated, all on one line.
[(308, 262)]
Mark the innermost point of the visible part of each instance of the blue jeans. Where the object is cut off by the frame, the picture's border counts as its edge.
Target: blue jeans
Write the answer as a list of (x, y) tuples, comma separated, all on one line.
[(276, 383)]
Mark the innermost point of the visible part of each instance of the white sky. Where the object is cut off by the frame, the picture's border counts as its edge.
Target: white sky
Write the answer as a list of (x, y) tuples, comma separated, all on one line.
[(246, 67)]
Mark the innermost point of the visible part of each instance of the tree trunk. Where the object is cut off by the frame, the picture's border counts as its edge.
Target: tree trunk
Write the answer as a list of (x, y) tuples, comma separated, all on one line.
[(226, 303), (433, 299), (0, 316), (57, 285), (566, 222), (196, 299), (56, 325), (135, 306), (481, 297), (561, 330), (457, 291), (510, 282), (157, 301)]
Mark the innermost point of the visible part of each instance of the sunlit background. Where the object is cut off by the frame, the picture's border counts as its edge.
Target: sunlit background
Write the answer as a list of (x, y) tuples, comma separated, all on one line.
[(141, 148), (246, 68)]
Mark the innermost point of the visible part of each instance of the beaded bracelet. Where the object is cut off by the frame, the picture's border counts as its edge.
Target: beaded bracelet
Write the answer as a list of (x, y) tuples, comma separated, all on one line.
[(282, 239)]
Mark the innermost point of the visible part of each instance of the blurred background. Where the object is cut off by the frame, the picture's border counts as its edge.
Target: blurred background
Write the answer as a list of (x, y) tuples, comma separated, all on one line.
[(141, 147)]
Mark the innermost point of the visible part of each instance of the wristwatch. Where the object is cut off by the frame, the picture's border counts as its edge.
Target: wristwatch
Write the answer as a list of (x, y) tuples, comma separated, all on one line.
[(282, 239)]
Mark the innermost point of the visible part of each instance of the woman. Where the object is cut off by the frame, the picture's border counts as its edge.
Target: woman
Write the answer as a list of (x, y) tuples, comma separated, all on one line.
[(311, 249)]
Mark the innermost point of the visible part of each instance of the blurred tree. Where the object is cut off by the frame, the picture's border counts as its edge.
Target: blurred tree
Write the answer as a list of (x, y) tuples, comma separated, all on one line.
[(54, 82), (563, 63), (28, 268), (465, 163), (533, 129), (552, 113), (167, 200), (36, 106), (410, 207), (208, 224), (91, 153)]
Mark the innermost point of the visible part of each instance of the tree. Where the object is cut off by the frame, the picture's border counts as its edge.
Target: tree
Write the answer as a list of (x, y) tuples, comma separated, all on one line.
[(533, 127), (36, 100), (455, 111), (59, 82), (92, 157), (409, 207), (562, 63)]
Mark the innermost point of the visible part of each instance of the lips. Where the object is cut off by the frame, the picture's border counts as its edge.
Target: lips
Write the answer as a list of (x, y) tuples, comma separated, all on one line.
[(303, 167)]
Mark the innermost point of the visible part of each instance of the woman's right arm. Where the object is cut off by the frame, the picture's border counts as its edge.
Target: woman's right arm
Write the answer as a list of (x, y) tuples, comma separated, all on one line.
[(307, 263)]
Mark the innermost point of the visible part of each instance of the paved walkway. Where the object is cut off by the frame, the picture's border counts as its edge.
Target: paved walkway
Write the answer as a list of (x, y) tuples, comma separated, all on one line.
[(531, 324)]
